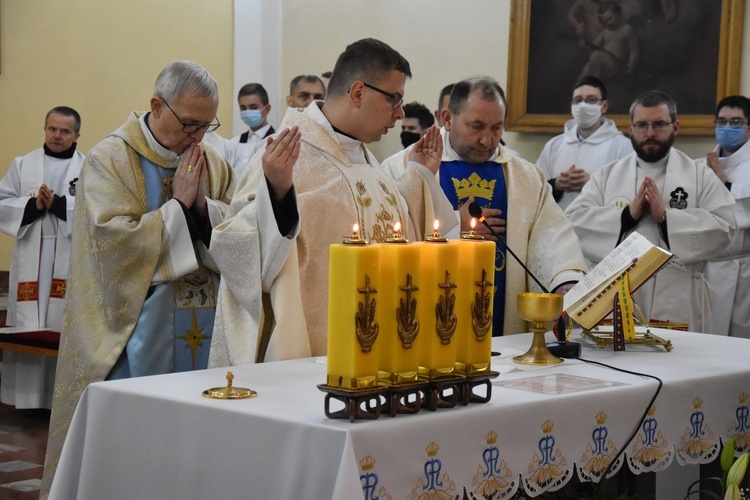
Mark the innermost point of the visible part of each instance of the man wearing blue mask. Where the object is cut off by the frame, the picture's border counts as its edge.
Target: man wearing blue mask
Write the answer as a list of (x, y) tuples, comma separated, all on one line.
[(729, 273), (254, 108)]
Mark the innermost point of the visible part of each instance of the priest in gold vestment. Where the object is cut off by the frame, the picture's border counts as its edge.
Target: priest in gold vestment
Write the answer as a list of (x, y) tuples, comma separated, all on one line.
[(273, 248), (142, 286)]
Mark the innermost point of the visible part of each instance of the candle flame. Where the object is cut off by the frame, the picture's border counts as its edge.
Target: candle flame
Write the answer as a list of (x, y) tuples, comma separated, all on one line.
[(473, 223), (436, 225), (355, 230), (396, 229)]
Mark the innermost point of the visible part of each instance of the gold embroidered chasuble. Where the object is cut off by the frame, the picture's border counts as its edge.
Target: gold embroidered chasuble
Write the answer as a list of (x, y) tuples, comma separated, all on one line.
[(118, 250), (332, 195)]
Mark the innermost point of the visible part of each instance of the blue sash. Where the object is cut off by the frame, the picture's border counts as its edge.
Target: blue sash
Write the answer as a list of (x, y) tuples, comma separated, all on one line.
[(486, 183), (173, 331)]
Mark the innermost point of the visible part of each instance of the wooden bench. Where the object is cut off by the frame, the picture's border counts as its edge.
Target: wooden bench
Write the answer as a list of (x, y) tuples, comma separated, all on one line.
[(43, 342)]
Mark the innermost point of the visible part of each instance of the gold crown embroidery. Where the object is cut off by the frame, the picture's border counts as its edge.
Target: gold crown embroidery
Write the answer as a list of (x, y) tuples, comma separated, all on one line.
[(432, 449), (474, 186), (367, 463)]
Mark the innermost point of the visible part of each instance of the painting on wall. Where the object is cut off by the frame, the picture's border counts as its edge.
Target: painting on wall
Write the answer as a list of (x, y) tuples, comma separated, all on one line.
[(689, 49)]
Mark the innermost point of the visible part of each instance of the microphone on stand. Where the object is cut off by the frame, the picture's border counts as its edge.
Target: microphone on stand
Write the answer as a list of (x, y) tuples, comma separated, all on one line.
[(476, 211), (562, 347)]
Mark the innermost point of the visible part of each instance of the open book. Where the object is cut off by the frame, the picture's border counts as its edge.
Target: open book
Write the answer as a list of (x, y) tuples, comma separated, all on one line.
[(590, 301)]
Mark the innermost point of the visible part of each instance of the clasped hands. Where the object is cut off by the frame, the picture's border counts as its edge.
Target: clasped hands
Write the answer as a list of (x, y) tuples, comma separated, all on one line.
[(648, 199), (45, 197), (712, 160), (572, 179), (188, 181)]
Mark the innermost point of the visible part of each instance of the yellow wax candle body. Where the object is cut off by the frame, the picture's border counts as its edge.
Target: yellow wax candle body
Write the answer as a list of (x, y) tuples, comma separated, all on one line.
[(436, 309), (476, 273), (397, 314), (354, 285)]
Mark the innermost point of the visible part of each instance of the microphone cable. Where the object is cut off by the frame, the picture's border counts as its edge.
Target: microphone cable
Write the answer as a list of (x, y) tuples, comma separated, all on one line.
[(476, 211)]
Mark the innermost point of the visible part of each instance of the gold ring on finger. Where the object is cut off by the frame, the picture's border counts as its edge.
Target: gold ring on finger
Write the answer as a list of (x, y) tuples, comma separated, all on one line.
[(190, 168)]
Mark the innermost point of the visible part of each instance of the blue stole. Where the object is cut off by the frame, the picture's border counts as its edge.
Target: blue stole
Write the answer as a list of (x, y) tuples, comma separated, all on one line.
[(173, 331), (486, 182)]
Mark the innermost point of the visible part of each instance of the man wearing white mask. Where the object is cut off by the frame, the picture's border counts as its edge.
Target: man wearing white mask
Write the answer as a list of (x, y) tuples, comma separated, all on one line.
[(589, 142), (729, 273), (254, 108)]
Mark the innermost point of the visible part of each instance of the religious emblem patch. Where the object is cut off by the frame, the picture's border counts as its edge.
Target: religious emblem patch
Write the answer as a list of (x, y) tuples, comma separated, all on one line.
[(72, 188), (679, 199)]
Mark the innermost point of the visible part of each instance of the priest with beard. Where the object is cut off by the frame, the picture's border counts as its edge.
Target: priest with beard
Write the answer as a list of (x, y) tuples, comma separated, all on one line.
[(664, 195)]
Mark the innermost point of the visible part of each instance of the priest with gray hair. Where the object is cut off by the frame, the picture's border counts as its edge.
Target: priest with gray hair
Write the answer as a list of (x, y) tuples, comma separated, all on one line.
[(142, 287)]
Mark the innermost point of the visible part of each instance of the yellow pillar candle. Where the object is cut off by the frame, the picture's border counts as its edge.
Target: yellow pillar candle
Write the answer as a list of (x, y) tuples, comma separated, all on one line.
[(397, 311), (354, 283), (476, 274), (435, 309)]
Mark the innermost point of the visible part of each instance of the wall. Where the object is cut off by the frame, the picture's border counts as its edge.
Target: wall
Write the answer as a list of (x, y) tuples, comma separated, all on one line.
[(101, 58), (444, 40)]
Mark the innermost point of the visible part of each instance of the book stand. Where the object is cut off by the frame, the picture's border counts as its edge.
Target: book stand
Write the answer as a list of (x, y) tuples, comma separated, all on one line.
[(603, 338)]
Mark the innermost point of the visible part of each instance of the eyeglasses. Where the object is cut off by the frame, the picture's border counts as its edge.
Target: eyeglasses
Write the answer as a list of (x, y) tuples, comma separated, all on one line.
[(657, 126), (589, 100), (191, 128), (396, 100), (734, 122)]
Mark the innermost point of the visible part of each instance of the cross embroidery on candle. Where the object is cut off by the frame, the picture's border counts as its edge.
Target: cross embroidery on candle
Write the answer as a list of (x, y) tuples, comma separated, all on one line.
[(367, 327), (446, 320), (481, 318), (408, 324)]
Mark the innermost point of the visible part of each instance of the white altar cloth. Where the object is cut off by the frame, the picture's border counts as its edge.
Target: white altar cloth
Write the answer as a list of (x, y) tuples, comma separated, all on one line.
[(157, 437)]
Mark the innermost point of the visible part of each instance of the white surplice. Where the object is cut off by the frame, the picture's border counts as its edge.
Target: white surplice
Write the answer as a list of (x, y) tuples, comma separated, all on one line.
[(605, 145), (700, 224), (40, 261), (729, 272)]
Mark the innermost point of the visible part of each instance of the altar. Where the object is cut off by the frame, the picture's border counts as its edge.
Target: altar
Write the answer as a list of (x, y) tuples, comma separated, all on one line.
[(157, 437)]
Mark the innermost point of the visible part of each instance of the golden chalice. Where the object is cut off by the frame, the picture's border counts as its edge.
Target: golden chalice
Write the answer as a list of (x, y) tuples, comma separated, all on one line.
[(539, 308)]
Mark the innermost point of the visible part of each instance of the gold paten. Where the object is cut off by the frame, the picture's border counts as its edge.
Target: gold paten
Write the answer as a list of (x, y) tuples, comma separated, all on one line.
[(481, 317), (229, 392), (406, 315), (446, 320), (539, 308), (367, 327)]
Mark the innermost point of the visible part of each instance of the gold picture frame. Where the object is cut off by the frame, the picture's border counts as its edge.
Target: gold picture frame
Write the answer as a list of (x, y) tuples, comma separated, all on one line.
[(521, 119)]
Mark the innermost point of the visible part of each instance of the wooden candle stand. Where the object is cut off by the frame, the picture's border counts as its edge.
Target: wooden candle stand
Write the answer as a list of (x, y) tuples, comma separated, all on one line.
[(398, 401), (353, 400), (472, 382), (444, 392)]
